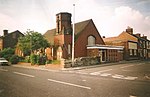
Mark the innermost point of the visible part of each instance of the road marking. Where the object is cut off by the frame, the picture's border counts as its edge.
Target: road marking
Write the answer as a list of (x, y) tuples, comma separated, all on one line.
[(70, 84), (147, 77), (126, 70), (23, 74), (130, 78), (98, 72), (81, 72), (105, 74), (118, 76), (3, 70), (126, 66), (95, 73), (83, 80)]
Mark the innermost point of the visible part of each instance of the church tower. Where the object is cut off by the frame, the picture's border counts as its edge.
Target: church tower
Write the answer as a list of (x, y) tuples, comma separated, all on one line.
[(63, 23), (63, 35)]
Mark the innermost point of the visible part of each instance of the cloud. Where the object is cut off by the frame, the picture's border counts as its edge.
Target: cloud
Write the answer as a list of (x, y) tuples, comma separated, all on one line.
[(6, 22), (39, 15), (125, 16)]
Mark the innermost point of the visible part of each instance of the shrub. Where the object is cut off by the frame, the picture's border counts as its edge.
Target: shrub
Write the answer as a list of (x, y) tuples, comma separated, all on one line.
[(38, 59), (33, 59), (27, 59), (14, 59), (48, 61), (56, 61), (43, 60)]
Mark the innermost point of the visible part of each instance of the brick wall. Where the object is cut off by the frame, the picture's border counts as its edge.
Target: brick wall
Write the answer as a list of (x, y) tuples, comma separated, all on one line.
[(82, 41)]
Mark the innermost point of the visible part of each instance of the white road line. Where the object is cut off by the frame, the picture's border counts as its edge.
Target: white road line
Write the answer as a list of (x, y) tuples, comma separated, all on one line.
[(105, 74), (70, 84), (147, 77), (126, 66), (98, 72), (118, 76), (81, 73), (3, 70), (83, 80), (23, 74), (130, 78), (95, 73)]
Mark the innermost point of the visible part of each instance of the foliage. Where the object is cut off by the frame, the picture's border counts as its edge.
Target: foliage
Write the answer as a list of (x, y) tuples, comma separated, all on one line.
[(14, 59), (27, 59), (32, 41), (7, 53), (48, 61), (33, 59), (42, 60), (56, 61), (37, 59)]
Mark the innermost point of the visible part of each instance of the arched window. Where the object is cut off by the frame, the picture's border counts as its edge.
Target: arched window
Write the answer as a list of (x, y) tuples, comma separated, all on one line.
[(91, 40)]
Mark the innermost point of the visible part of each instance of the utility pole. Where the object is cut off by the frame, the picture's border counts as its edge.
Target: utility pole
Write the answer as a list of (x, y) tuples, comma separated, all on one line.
[(73, 34)]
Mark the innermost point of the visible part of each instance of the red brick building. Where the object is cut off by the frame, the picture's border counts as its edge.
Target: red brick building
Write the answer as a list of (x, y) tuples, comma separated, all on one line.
[(135, 45), (88, 41), (9, 40)]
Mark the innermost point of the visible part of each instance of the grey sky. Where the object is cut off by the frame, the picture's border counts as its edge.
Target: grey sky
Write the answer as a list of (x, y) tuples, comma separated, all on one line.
[(39, 15)]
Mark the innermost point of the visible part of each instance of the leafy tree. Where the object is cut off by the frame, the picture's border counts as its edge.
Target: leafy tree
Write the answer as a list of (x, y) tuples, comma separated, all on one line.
[(32, 41), (7, 53)]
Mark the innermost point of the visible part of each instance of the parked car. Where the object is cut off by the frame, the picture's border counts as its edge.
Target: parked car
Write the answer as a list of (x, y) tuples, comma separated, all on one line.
[(3, 61)]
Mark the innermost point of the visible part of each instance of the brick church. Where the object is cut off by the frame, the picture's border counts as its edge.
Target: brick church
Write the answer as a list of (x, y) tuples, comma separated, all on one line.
[(88, 41)]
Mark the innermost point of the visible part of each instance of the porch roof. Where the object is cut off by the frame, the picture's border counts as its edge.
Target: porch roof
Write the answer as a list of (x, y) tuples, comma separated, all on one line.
[(105, 47)]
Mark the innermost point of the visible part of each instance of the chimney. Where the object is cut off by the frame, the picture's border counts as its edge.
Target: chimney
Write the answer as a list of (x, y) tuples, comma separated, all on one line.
[(129, 30), (5, 32), (104, 37), (138, 35), (145, 37)]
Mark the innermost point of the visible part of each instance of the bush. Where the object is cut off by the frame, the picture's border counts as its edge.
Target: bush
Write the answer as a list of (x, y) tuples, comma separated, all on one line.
[(56, 61), (27, 59), (48, 61), (36, 59), (33, 59), (42, 60), (14, 59)]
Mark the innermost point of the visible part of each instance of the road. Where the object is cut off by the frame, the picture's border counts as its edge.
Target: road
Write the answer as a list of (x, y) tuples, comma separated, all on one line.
[(120, 80)]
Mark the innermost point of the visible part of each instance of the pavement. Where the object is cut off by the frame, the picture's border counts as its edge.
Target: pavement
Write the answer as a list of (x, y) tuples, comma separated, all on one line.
[(51, 67)]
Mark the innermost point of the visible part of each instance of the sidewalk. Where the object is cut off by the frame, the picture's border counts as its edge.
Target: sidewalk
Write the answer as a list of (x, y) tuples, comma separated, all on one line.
[(59, 68), (101, 65)]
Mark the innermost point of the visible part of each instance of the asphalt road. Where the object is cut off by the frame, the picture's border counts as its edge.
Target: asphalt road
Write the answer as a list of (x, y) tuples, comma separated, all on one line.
[(121, 80)]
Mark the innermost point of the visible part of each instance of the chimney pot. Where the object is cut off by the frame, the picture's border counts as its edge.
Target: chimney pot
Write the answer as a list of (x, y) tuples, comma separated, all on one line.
[(5, 32)]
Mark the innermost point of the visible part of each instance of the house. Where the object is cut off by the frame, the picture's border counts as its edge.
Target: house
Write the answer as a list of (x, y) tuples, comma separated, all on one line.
[(9, 40), (135, 46), (88, 41)]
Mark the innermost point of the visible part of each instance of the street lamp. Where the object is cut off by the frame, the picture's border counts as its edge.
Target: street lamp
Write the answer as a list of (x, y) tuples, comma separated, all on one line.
[(73, 34)]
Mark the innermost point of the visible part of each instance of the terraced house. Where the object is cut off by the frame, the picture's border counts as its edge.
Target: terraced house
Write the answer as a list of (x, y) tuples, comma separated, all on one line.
[(135, 45), (88, 41)]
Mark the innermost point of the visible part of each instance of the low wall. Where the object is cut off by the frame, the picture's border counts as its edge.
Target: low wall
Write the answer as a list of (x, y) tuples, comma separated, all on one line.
[(83, 61)]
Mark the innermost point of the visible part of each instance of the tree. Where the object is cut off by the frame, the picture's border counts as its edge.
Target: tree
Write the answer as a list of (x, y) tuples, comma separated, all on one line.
[(7, 53), (32, 41)]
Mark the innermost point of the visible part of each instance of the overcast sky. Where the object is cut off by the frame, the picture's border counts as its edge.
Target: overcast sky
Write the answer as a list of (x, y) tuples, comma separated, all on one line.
[(111, 17)]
